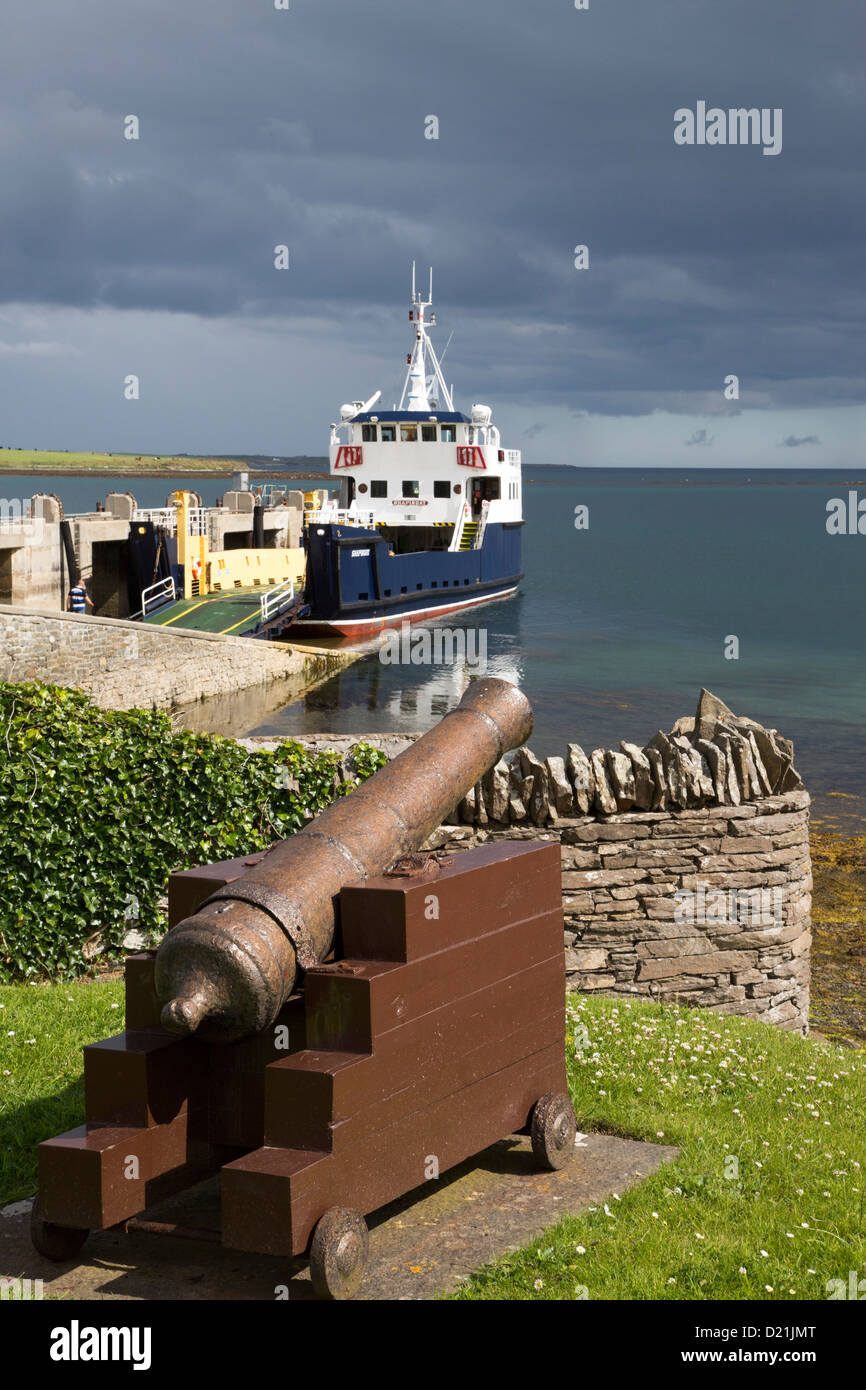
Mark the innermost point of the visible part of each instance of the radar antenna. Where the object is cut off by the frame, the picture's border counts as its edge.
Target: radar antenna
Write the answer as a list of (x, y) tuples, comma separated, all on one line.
[(419, 381)]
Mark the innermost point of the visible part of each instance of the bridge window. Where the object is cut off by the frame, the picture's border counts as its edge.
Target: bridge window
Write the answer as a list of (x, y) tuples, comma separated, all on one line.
[(378, 488), (411, 489), (409, 434), (368, 434), (428, 434), (442, 489), (389, 434), (449, 434)]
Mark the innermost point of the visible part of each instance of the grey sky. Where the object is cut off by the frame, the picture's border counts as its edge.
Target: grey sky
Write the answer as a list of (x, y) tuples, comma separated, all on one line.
[(306, 127)]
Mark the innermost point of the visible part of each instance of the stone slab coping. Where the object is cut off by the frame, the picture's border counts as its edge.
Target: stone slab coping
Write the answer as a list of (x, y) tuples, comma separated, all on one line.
[(124, 625), (420, 1246)]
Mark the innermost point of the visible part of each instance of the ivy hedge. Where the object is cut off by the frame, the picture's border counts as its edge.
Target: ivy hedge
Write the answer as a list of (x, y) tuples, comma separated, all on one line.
[(97, 808)]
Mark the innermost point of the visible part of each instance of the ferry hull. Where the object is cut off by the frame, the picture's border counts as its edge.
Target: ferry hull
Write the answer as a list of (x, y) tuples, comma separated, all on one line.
[(361, 628), (356, 587)]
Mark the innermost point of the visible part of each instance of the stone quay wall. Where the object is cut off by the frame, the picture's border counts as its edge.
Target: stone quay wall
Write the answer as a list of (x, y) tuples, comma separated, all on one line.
[(124, 665), (686, 872), (700, 907)]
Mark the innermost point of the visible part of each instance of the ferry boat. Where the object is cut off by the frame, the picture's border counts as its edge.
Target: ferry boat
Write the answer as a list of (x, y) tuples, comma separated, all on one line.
[(429, 514)]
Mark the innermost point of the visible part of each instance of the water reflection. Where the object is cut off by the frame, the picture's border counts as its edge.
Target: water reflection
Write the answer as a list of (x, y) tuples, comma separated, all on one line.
[(373, 696)]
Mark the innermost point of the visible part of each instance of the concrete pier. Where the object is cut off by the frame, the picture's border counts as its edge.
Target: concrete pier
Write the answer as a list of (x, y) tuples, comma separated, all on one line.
[(33, 570)]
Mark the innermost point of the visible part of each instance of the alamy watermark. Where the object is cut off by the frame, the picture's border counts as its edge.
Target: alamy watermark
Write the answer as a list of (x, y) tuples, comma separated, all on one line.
[(854, 1290), (703, 906), (439, 646), (846, 517), (17, 518), (737, 126), (21, 1290)]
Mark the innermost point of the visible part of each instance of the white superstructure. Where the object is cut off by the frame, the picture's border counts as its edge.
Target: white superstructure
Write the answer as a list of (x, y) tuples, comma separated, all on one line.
[(423, 463)]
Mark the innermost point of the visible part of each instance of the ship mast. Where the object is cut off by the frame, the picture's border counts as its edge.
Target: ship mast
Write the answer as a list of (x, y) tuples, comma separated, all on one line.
[(420, 377)]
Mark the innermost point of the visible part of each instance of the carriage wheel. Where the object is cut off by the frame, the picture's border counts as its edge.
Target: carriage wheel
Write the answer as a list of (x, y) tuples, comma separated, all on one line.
[(553, 1130), (54, 1242), (338, 1254)]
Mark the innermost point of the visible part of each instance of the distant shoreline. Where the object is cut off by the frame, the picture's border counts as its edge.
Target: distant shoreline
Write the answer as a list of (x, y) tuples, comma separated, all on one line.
[(49, 471), (713, 482)]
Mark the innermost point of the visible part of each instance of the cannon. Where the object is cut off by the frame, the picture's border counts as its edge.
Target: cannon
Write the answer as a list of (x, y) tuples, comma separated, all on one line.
[(333, 1023), (228, 970)]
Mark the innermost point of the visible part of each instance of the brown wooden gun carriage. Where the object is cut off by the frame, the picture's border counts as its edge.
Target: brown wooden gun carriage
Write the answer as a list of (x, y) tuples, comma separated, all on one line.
[(429, 1022)]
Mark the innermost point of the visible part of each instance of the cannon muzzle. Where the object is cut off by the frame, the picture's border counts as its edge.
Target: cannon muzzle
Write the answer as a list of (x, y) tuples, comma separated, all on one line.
[(227, 971)]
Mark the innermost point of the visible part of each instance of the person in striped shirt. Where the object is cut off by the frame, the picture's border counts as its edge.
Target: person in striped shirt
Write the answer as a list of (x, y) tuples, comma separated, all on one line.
[(78, 599)]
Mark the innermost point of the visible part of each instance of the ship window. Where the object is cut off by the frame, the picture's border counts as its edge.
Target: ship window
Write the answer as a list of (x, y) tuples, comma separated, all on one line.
[(442, 489), (449, 434), (389, 434), (411, 489), (403, 589), (368, 434), (428, 434), (378, 488), (363, 596), (409, 434)]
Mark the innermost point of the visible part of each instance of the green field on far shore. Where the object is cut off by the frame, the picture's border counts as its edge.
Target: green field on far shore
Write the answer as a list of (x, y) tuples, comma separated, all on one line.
[(57, 461)]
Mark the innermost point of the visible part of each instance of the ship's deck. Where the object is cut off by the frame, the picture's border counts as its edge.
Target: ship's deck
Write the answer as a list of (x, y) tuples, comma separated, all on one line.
[(233, 613)]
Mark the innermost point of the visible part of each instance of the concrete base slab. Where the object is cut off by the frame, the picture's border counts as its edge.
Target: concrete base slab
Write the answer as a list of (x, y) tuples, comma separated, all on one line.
[(420, 1246)]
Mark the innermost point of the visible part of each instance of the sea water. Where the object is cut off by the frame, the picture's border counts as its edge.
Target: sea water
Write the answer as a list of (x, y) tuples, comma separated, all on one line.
[(728, 580), (712, 578)]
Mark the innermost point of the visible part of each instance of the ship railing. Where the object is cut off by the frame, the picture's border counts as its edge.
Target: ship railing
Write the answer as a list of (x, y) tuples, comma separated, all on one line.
[(275, 600), (482, 525), (457, 534), (155, 596), (166, 517), (335, 516)]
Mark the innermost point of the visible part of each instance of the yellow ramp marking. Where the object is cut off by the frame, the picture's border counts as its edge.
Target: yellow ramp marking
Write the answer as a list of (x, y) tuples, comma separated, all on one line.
[(248, 618), (185, 614)]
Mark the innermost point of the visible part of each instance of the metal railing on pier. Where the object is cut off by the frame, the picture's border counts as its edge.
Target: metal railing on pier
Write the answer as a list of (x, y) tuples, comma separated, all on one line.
[(155, 596), (166, 517), (275, 600)]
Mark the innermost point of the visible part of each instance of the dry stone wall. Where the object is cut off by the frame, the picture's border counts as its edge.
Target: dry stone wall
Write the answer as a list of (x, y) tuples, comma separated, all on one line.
[(686, 873), (707, 907)]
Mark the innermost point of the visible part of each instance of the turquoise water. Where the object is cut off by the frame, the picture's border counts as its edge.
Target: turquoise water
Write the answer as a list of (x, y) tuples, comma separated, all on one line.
[(617, 627)]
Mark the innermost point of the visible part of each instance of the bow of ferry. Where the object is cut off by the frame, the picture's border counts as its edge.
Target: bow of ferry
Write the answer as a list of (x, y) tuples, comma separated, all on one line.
[(429, 514)]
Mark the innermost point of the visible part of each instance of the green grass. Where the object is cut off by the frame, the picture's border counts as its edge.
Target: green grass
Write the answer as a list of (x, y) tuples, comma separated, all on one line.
[(788, 1110), (777, 1224), (53, 460), (41, 1074)]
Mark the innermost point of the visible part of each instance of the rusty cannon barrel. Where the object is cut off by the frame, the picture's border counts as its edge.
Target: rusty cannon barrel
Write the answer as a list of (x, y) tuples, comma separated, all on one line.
[(226, 971)]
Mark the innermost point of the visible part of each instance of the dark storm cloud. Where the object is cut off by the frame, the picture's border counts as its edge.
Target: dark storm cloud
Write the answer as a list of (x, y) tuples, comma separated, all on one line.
[(793, 441), (701, 437), (306, 127)]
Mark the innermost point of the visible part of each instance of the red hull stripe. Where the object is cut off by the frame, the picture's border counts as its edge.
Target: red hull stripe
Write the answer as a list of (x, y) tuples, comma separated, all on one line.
[(368, 627)]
